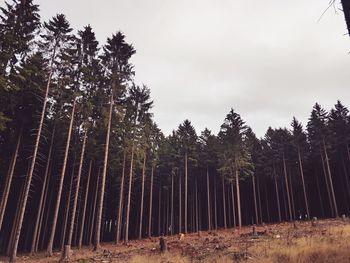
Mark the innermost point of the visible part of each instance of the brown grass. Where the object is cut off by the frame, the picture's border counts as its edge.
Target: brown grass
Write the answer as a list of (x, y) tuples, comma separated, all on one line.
[(329, 242)]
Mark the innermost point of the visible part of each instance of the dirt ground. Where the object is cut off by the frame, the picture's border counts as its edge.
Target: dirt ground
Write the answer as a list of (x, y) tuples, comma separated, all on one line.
[(305, 241)]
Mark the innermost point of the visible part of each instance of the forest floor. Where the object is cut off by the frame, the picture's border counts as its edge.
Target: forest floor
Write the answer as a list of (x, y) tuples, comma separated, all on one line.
[(303, 242)]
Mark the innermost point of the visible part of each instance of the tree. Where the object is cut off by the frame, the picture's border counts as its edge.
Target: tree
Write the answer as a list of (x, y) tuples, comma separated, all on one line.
[(317, 132), (234, 158), (188, 141), (139, 104), (19, 23), (115, 59), (300, 144)]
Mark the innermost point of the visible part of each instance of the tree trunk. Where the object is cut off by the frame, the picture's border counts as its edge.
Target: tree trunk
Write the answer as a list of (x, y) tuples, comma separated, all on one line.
[(208, 200), (103, 180), (186, 174), (233, 205), (142, 194), (43, 192), (327, 183), (228, 200), (277, 196), (66, 214), (196, 200), (255, 203), (47, 216), (303, 183), (129, 196), (267, 203), (238, 200), (43, 210), (330, 179), (259, 199), (6, 191), (80, 242), (346, 177), (121, 197), (346, 10), (76, 195), (180, 205), (60, 186), (30, 175), (172, 205), (224, 201), (291, 192), (159, 208), (150, 205), (287, 188), (319, 196), (13, 230), (93, 225), (215, 205)]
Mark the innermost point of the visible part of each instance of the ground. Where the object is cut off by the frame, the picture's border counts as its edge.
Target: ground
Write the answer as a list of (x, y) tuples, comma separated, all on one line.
[(302, 242)]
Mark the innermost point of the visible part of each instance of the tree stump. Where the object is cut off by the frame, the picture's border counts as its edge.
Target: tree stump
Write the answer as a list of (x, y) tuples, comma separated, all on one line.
[(343, 217), (314, 221), (254, 231), (295, 225), (163, 245)]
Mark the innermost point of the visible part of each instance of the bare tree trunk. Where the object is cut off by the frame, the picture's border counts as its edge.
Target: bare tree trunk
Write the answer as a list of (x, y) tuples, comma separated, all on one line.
[(196, 199), (167, 212), (13, 230), (346, 10), (150, 205), (30, 175), (159, 208), (43, 192), (47, 216), (238, 200), (330, 179), (287, 188), (319, 196), (233, 205), (180, 205), (80, 242), (267, 203), (291, 192), (103, 180), (327, 183), (228, 200), (303, 183), (142, 194), (6, 191), (60, 186), (224, 201), (208, 200), (345, 176), (186, 174), (172, 205), (76, 195), (259, 199), (43, 211), (215, 205), (93, 225), (120, 207), (126, 240), (66, 214), (278, 198), (255, 203)]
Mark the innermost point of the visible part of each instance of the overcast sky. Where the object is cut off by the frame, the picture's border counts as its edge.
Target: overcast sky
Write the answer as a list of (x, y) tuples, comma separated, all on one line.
[(268, 60)]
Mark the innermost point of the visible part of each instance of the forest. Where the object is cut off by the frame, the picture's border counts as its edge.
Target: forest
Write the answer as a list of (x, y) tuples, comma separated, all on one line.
[(82, 160)]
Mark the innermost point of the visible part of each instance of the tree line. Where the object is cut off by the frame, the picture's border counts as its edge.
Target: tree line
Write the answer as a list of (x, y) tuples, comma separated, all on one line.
[(82, 160)]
